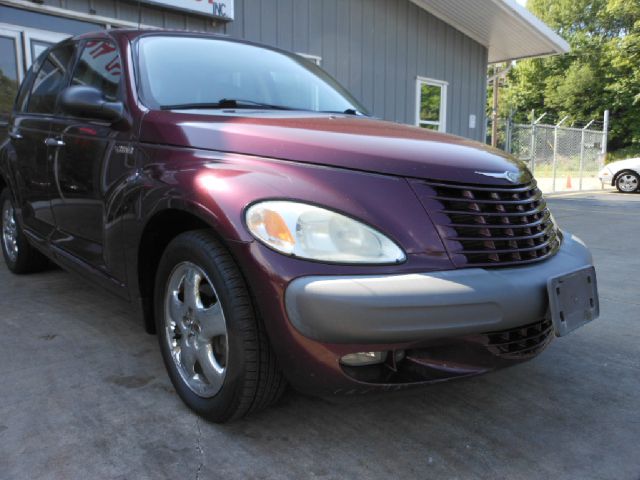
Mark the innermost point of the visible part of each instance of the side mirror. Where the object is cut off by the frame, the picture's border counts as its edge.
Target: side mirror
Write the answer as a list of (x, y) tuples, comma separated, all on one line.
[(88, 102)]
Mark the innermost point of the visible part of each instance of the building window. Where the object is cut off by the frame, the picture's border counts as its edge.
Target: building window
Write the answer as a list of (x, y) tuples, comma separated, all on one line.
[(312, 58), (431, 104), (10, 72)]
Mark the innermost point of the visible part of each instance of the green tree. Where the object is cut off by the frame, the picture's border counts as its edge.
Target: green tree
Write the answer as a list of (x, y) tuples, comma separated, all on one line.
[(601, 72)]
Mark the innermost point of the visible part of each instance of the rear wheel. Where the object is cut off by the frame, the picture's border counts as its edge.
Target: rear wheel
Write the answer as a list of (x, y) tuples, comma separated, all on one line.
[(628, 182), (213, 345), (18, 254)]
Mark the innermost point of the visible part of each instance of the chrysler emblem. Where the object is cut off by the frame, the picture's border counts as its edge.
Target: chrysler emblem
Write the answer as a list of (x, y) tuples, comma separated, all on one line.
[(513, 177)]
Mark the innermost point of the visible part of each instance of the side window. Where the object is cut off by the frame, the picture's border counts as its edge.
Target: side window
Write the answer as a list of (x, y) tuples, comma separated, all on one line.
[(99, 66), (51, 79)]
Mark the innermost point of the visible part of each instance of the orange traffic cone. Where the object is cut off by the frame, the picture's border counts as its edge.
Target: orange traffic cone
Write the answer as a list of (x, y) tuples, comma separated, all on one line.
[(568, 186)]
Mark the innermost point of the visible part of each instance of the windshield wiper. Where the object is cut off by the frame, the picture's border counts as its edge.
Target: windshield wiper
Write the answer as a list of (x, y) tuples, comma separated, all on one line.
[(224, 103), (348, 111)]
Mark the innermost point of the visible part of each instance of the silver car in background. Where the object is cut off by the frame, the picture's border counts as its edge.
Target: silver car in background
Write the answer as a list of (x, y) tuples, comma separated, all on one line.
[(623, 174)]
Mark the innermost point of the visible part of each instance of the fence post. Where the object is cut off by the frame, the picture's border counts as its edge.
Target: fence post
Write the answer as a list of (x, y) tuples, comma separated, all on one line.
[(532, 167), (555, 151), (582, 153), (534, 122), (605, 134)]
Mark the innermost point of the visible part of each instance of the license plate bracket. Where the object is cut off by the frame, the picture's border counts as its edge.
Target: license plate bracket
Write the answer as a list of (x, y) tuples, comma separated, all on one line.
[(573, 300)]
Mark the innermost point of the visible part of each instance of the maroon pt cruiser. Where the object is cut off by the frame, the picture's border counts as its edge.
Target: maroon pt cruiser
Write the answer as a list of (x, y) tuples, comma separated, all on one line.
[(270, 231)]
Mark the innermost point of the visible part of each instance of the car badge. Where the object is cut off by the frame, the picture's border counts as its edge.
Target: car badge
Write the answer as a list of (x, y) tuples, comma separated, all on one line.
[(513, 177), (123, 149)]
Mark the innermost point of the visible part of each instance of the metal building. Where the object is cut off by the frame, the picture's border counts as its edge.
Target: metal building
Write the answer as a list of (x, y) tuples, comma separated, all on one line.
[(420, 62)]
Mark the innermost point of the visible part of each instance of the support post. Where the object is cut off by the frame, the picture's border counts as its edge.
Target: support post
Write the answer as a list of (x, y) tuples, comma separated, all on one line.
[(586, 127), (532, 152), (534, 122), (581, 158), (605, 137), (494, 113), (555, 151)]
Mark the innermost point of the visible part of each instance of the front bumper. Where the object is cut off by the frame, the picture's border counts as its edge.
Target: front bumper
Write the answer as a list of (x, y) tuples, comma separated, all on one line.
[(388, 309), (605, 176)]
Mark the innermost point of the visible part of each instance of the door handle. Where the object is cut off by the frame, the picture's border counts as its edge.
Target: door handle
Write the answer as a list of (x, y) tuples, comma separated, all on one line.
[(54, 142), (15, 135)]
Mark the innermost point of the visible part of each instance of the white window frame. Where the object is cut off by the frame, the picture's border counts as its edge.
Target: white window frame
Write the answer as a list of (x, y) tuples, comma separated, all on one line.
[(442, 121), (23, 37), (39, 36), (8, 32)]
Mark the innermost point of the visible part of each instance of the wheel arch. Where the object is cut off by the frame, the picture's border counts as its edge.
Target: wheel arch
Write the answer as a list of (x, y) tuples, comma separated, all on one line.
[(620, 172), (160, 229)]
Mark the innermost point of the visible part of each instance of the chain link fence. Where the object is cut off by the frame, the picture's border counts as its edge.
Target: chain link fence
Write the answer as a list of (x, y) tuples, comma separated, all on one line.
[(561, 158)]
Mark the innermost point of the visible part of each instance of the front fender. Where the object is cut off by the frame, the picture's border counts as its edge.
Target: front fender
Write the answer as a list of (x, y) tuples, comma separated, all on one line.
[(217, 187)]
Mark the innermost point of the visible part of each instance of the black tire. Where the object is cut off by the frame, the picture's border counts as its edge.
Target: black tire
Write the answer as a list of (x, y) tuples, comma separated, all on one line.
[(628, 181), (26, 259), (252, 379)]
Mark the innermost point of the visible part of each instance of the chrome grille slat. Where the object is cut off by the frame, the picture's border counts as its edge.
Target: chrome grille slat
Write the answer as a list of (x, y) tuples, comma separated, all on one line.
[(541, 221), (502, 239), (479, 188), (510, 250), (512, 263), (492, 226), (538, 209), (537, 197)]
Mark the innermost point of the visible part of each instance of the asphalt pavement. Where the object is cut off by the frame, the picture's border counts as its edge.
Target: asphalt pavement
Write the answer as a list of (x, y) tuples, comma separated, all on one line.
[(84, 395)]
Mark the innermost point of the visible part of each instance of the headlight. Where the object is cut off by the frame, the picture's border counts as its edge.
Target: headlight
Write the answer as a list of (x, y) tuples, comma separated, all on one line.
[(604, 172), (315, 233)]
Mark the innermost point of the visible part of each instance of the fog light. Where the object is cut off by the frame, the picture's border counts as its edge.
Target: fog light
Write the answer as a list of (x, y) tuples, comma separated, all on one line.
[(363, 358)]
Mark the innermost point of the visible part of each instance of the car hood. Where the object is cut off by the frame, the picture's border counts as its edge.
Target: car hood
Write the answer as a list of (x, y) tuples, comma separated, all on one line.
[(333, 140)]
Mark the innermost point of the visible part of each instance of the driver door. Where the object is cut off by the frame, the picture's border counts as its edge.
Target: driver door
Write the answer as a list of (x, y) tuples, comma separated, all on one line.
[(86, 165)]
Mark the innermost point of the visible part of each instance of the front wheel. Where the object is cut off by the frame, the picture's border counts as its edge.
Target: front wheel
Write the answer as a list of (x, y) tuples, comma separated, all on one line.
[(627, 182), (18, 254), (214, 347)]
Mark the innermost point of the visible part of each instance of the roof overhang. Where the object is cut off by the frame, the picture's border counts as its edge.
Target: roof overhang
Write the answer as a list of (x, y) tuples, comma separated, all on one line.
[(507, 29)]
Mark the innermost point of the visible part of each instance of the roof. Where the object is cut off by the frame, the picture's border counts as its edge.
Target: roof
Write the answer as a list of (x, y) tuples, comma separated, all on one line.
[(507, 29)]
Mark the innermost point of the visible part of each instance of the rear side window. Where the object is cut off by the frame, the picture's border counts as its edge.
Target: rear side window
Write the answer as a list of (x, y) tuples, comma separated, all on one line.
[(99, 66), (51, 79)]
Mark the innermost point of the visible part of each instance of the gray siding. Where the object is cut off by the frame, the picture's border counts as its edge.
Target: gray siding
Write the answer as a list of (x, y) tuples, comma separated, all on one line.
[(146, 14), (377, 49)]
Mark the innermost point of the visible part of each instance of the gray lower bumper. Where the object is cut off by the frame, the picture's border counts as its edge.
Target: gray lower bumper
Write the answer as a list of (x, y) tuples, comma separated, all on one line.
[(414, 307)]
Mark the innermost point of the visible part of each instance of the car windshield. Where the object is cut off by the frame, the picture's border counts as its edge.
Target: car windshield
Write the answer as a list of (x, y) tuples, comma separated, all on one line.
[(196, 72)]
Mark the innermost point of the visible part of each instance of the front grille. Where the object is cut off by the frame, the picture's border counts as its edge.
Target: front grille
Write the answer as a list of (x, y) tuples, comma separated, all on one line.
[(520, 342), (491, 226)]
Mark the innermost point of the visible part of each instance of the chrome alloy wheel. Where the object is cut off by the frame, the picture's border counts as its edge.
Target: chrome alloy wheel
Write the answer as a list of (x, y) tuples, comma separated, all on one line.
[(196, 330), (627, 182), (9, 231)]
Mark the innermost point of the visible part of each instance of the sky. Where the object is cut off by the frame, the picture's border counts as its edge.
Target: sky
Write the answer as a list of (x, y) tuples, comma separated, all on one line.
[(522, 2)]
